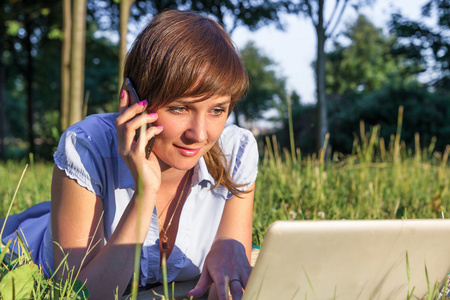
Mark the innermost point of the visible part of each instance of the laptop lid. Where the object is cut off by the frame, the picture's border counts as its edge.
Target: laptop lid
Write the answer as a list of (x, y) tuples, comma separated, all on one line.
[(359, 259)]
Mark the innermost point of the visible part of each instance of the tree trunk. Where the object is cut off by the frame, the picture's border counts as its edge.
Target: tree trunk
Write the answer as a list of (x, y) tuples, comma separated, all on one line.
[(321, 107), (78, 47), (29, 87), (125, 6), (65, 65), (2, 93)]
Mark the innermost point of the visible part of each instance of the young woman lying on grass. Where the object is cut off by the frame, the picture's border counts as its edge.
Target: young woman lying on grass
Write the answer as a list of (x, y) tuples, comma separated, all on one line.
[(196, 186)]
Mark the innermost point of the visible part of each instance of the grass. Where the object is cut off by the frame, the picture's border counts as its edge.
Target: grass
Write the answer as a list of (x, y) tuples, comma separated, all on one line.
[(379, 180)]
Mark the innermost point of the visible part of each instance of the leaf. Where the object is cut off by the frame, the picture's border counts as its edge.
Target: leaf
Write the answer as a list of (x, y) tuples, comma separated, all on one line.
[(19, 281)]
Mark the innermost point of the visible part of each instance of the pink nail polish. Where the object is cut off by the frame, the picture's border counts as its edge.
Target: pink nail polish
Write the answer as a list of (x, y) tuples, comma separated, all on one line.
[(153, 114), (160, 127), (143, 102), (122, 94)]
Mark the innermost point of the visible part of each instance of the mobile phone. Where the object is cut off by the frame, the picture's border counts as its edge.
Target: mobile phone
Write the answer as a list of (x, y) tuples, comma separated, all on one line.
[(134, 98)]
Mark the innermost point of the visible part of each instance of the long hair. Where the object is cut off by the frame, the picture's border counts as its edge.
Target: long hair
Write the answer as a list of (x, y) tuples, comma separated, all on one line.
[(183, 54)]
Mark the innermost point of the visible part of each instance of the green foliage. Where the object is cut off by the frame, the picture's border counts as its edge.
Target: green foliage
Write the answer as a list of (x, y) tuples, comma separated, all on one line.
[(21, 278), (266, 89), (229, 13), (19, 282), (427, 44), (425, 114), (368, 63)]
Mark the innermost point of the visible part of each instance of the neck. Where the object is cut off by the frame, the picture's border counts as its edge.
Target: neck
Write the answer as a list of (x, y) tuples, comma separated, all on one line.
[(170, 176)]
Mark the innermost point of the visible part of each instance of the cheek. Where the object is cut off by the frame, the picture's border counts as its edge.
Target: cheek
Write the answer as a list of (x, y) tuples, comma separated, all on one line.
[(215, 129)]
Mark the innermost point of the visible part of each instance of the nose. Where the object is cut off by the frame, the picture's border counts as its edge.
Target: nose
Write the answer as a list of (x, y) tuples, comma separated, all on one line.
[(197, 131)]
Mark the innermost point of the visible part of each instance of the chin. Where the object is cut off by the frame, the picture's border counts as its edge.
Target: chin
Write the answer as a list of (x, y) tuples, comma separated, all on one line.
[(182, 163)]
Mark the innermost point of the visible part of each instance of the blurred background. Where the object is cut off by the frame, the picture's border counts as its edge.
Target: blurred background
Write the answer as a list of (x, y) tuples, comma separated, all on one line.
[(316, 66)]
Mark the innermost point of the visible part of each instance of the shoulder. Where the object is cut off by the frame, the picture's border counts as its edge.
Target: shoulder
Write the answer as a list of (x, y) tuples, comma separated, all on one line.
[(96, 133), (235, 139), (241, 152), (96, 127), (87, 151)]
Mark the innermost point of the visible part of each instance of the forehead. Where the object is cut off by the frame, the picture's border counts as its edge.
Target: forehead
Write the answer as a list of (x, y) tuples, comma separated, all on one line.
[(215, 99)]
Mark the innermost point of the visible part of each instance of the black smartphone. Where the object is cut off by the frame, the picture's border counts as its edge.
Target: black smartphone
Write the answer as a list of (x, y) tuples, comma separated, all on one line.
[(134, 98)]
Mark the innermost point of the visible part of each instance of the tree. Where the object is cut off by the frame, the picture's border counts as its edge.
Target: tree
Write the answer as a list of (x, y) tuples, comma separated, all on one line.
[(28, 24), (315, 11), (77, 61), (65, 63), (426, 44), (367, 63), (266, 86), (125, 6), (229, 13), (115, 14)]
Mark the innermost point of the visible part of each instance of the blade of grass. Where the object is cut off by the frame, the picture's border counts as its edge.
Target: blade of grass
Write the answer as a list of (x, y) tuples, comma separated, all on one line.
[(12, 201)]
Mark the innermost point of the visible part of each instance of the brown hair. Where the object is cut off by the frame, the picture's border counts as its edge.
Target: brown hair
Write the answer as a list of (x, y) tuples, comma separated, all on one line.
[(183, 54)]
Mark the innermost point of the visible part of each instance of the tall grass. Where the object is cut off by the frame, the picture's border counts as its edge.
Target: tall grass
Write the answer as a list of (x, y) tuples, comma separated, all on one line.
[(378, 180), (34, 189)]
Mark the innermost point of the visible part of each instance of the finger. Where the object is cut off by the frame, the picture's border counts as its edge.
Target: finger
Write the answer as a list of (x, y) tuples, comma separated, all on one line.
[(131, 130), (123, 101), (146, 140), (236, 290), (129, 112), (245, 277), (202, 285), (153, 131), (222, 289)]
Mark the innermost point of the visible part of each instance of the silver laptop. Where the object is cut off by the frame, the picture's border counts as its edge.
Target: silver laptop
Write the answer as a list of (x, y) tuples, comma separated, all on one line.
[(363, 259)]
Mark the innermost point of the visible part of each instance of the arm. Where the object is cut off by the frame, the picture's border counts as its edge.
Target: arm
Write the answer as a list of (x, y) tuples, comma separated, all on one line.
[(77, 222), (231, 250), (78, 228)]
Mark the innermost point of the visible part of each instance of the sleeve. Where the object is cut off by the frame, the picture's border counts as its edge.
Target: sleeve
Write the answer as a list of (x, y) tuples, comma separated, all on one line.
[(78, 156), (241, 151)]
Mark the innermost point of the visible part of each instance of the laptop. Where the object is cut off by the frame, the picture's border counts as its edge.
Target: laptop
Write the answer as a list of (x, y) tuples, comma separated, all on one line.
[(359, 259)]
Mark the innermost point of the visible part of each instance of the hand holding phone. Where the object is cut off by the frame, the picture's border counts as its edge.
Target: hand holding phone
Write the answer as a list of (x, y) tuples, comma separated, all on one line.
[(134, 98)]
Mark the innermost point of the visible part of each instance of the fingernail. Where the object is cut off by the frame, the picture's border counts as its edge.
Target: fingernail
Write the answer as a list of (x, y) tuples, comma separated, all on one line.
[(160, 127), (153, 114), (143, 102), (122, 94)]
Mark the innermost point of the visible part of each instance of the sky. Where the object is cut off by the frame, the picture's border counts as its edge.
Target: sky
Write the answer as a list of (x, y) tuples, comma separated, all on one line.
[(294, 49)]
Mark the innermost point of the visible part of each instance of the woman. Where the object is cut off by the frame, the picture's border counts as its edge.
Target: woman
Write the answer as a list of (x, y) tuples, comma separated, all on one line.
[(190, 200)]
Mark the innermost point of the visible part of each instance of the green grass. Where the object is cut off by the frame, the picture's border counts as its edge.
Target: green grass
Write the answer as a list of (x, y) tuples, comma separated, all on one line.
[(375, 182), (34, 189)]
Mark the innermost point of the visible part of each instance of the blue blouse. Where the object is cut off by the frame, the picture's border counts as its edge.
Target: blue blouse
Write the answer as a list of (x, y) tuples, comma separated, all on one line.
[(87, 152)]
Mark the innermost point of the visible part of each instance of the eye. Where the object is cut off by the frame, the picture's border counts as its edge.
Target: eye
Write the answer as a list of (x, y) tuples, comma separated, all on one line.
[(217, 111), (177, 109)]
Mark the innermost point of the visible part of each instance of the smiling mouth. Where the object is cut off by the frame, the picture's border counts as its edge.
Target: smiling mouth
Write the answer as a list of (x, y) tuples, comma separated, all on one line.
[(187, 151)]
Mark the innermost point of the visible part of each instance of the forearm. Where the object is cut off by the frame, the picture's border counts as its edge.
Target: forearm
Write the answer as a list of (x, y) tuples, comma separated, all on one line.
[(113, 266)]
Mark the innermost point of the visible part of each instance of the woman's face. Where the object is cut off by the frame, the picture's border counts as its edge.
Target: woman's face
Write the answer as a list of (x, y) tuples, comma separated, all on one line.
[(191, 128)]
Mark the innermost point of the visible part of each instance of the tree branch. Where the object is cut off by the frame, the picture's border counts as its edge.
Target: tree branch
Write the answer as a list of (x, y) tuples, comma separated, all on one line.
[(310, 13), (332, 14), (338, 19)]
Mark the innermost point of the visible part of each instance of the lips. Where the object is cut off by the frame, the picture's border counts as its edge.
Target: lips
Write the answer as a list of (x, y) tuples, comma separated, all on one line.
[(187, 151)]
